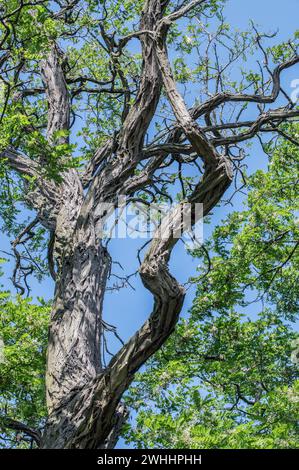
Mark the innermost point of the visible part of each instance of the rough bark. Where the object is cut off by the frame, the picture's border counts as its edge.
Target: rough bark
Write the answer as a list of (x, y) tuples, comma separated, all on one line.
[(82, 265)]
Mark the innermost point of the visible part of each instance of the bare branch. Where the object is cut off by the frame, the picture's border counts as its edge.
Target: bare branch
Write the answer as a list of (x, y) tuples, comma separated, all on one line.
[(142, 111), (226, 97), (57, 95), (268, 117), (183, 11)]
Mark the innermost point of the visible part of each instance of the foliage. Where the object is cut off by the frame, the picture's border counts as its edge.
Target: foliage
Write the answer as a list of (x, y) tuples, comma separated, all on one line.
[(23, 331)]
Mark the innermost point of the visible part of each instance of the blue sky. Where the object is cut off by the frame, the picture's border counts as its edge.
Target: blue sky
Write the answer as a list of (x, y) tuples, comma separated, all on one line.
[(128, 308)]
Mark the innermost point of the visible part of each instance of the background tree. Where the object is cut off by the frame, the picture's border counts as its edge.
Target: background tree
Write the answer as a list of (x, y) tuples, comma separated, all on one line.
[(60, 59), (23, 330)]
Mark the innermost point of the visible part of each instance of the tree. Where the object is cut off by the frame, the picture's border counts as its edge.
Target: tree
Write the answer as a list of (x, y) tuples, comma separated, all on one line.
[(228, 376), (60, 59), (23, 330)]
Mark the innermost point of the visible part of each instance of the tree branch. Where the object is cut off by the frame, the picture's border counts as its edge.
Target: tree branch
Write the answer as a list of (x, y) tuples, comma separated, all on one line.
[(21, 427), (142, 111), (57, 95), (20, 163), (256, 126), (221, 98)]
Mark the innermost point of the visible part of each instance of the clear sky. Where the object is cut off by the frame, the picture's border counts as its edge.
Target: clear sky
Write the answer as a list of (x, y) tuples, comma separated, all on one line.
[(128, 308)]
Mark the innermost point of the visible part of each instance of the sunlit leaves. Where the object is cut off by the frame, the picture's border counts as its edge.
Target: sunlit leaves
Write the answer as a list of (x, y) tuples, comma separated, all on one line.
[(23, 330)]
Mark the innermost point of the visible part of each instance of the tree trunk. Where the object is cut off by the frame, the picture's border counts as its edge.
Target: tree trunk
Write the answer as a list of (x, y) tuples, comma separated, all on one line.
[(91, 417)]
